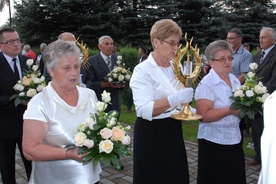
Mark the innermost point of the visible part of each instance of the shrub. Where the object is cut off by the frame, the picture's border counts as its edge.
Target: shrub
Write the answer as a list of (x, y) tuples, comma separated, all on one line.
[(130, 58)]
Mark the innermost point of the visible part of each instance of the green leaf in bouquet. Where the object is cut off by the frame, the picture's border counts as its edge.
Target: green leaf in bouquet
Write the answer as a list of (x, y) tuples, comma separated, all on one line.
[(97, 126), (124, 151), (235, 106), (242, 112), (106, 159), (115, 161), (83, 150), (95, 163), (113, 113), (90, 156), (251, 114), (13, 96), (17, 101), (248, 102), (121, 149)]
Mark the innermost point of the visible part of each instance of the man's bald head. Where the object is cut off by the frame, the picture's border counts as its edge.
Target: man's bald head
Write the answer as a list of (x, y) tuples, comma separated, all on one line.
[(66, 36)]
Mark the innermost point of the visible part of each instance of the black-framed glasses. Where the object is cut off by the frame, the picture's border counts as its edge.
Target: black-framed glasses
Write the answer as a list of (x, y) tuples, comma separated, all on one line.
[(172, 43), (11, 42), (223, 59), (231, 38)]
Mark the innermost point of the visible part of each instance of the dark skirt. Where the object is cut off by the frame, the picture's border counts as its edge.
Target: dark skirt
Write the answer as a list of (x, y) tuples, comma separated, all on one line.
[(159, 152), (219, 164)]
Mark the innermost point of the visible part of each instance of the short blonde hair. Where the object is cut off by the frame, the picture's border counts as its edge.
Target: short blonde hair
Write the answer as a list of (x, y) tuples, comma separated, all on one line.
[(164, 28)]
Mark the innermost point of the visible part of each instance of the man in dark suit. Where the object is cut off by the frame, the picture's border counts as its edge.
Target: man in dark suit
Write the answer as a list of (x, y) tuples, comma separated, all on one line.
[(39, 58), (11, 117), (99, 67), (86, 79), (142, 51), (266, 60)]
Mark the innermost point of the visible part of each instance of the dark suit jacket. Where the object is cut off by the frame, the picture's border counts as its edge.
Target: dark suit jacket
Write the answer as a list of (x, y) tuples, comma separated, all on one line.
[(11, 117), (143, 58), (267, 72), (99, 70), (86, 77), (267, 69)]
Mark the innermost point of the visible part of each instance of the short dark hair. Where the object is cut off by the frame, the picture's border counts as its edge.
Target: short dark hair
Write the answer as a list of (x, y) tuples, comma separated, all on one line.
[(143, 49), (6, 30), (237, 31)]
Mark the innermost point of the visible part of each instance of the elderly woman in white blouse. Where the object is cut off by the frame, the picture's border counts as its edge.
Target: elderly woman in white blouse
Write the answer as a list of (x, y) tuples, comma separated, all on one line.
[(159, 150), (52, 118), (220, 152)]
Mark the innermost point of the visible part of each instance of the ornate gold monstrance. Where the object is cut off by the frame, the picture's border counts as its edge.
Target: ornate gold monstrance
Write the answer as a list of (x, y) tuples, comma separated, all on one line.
[(85, 51), (186, 80)]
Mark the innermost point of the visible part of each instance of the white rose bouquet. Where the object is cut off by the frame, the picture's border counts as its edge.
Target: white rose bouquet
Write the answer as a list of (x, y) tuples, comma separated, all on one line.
[(249, 98), (119, 74), (102, 136), (29, 85)]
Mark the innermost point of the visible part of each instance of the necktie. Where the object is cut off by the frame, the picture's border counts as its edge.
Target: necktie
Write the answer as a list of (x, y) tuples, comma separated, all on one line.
[(16, 73), (262, 57), (108, 62)]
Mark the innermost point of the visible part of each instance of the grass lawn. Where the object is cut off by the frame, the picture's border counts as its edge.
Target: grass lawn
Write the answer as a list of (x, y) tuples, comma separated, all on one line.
[(189, 130)]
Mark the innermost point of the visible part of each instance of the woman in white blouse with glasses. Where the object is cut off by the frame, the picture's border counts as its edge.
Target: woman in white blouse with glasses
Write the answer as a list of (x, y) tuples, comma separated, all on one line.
[(159, 154), (220, 152)]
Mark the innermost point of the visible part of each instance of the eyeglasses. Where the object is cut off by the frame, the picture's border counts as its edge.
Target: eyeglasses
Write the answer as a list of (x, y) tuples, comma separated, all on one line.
[(231, 38), (172, 44), (11, 42), (223, 60)]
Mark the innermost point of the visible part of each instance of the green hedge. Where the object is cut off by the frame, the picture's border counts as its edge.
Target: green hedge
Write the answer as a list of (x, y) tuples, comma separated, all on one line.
[(130, 58)]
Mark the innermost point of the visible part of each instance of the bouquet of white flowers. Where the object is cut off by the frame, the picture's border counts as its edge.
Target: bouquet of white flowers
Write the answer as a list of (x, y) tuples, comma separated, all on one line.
[(102, 136), (119, 74), (249, 98), (28, 86)]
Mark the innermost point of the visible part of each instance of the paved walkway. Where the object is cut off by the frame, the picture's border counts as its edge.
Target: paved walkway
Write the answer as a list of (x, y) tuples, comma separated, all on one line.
[(112, 176)]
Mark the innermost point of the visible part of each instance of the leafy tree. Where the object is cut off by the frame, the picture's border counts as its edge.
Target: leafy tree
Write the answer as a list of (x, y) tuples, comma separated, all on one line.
[(129, 22), (41, 21), (250, 16), (199, 19)]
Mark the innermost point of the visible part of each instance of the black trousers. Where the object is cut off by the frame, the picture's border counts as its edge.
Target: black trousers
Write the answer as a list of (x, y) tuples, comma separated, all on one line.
[(257, 131), (7, 160)]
